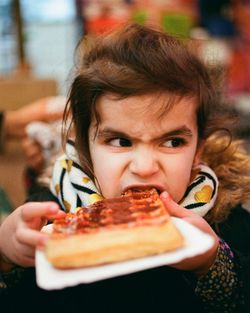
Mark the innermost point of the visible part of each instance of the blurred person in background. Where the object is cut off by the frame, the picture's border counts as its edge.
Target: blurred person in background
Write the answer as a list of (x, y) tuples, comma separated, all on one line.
[(13, 123), (41, 145), (105, 18), (31, 125), (238, 78)]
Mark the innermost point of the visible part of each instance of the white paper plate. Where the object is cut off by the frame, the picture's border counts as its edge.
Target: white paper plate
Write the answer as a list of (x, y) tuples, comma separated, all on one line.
[(48, 277)]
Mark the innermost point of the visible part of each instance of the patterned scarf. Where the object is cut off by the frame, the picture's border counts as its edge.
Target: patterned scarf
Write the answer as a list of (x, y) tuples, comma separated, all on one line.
[(75, 189)]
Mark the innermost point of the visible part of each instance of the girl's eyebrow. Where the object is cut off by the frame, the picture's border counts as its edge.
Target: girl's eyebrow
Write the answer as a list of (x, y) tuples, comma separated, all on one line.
[(110, 132), (180, 131)]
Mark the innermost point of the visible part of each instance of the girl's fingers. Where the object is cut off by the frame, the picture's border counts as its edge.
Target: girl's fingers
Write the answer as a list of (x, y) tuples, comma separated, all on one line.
[(26, 260), (26, 251), (40, 209), (173, 208), (30, 237), (59, 214), (176, 210)]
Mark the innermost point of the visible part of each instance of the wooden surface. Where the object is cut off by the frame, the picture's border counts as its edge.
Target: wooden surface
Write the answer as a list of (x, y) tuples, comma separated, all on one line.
[(15, 93)]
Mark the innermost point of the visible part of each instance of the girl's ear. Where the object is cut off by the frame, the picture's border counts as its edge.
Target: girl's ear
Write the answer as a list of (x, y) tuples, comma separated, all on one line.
[(198, 154)]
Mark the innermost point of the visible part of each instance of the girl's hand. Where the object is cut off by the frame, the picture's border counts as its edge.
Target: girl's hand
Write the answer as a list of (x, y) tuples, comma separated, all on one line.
[(20, 233), (199, 264)]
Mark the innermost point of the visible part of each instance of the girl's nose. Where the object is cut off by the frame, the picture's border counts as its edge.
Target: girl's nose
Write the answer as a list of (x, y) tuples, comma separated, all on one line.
[(144, 163)]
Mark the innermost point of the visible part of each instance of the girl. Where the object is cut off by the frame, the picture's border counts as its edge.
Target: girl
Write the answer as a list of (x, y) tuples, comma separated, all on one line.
[(144, 111)]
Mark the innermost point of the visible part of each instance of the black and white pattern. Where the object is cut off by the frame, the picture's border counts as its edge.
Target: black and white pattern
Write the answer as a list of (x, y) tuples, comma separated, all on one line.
[(75, 189)]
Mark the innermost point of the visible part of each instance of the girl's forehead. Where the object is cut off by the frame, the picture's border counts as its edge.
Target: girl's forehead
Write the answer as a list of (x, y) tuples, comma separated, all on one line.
[(154, 105), (146, 113)]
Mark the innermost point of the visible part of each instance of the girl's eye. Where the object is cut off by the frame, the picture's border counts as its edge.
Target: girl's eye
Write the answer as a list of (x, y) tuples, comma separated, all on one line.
[(173, 143), (120, 142)]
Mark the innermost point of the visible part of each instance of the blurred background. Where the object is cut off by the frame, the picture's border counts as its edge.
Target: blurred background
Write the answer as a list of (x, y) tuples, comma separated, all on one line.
[(38, 38)]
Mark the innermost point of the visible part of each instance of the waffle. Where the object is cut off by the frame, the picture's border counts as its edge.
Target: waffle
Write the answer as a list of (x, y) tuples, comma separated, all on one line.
[(134, 225)]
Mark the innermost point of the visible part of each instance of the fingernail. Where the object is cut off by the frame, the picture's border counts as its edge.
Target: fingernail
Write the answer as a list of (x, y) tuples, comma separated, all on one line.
[(165, 195), (54, 208), (61, 213), (52, 211)]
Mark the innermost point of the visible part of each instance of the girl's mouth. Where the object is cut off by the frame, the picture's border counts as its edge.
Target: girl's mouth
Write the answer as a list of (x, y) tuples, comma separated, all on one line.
[(139, 188)]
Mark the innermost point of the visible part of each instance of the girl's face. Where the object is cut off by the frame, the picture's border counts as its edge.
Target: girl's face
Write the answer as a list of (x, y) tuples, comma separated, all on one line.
[(135, 148)]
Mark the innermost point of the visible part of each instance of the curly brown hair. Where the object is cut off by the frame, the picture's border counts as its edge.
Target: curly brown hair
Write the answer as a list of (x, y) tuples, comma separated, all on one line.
[(136, 60), (231, 162)]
